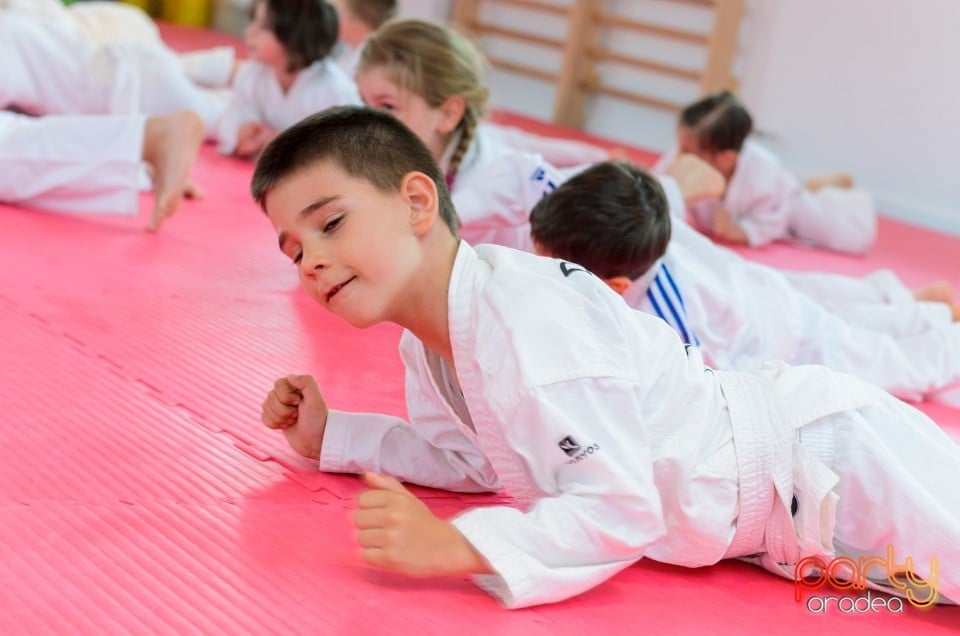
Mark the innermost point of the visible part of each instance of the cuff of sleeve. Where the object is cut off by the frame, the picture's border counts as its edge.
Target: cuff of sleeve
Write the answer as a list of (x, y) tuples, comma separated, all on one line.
[(336, 437), (754, 237), (352, 442), (509, 584)]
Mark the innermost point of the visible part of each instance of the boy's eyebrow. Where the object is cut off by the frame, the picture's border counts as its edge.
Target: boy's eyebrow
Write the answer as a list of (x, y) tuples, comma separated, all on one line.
[(307, 211)]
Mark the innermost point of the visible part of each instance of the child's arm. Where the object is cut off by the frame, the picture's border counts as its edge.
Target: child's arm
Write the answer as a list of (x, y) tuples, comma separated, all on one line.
[(726, 229), (433, 452), (241, 110), (398, 532)]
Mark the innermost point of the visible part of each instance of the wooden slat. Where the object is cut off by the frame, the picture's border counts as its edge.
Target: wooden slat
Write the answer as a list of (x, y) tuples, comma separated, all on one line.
[(570, 100), (614, 21), (523, 69), (465, 13), (602, 55), (529, 38), (722, 47), (637, 98), (533, 5)]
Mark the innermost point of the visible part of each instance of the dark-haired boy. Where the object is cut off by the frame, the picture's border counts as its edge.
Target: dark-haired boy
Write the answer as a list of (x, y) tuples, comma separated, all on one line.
[(530, 375)]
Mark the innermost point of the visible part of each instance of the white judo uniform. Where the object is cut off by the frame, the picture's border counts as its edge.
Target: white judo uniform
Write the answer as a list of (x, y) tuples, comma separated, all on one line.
[(495, 188), (258, 97), (560, 153), (109, 21), (743, 314), (46, 162), (618, 444), (53, 66), (771, 204)]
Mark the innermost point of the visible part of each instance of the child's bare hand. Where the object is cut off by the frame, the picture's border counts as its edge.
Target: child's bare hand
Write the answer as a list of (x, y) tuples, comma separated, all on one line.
[(252, 137), (725, 228), (296, 407), (696, 178), (399, 533)]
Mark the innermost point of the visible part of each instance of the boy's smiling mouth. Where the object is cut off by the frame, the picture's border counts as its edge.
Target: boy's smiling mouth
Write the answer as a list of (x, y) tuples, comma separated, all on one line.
[(336, 288)]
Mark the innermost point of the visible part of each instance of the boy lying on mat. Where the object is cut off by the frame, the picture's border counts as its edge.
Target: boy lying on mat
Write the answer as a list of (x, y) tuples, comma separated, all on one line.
[(530, 375)]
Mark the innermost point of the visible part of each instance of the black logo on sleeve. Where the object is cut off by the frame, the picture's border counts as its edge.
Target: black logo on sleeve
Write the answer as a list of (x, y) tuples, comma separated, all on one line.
[(569, 445), (569, 268)]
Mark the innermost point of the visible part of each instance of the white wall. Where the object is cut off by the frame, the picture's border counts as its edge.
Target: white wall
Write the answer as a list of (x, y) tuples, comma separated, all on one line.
[(865, 86)]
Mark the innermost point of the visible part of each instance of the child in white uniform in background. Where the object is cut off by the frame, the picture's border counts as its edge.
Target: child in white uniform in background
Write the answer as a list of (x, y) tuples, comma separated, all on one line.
[(91, 163), (613, 219), (428, 76), (763, 202), (290, 74), (530, 375), (51, 65), (358, 19)]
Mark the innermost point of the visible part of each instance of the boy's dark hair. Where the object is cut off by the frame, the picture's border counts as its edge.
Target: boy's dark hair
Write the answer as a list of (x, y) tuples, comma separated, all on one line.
[(612, 218), (366, 143), (720, 121), (373, 13), (308, 29)]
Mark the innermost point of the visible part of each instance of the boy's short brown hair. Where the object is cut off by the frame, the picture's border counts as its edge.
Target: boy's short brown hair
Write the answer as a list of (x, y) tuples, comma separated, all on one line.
[(365, 143), (612, 218)]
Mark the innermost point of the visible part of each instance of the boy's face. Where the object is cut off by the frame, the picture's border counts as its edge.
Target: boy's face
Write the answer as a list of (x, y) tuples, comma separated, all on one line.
[(378, 91), (354, 246), (262, 42)]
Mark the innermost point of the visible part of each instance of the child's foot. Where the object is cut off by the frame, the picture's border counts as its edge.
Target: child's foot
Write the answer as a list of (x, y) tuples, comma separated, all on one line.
[(618, 154), (939, 292), (696, 178), (170, 145), (837, 180)]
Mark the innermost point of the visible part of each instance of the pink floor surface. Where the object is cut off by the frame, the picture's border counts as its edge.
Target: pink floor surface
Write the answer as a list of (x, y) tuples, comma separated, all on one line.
[(139, 492)]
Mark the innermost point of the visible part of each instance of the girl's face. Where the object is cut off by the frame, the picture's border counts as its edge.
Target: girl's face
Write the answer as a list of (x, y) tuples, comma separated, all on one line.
[(433, 125), (261, 41)]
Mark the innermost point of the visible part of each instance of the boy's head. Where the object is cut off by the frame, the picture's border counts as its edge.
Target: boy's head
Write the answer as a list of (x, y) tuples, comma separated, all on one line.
[(612, 218), (352, 192), (714, 128), (360, 18), (292, 33)]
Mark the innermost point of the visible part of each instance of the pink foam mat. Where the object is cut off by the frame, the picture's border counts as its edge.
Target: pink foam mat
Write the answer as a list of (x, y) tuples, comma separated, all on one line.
[(140, 494)]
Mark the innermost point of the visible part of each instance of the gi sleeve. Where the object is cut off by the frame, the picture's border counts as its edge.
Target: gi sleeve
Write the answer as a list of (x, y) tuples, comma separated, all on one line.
[(502, 192), (241, 109), (582, 443), (431, 452)]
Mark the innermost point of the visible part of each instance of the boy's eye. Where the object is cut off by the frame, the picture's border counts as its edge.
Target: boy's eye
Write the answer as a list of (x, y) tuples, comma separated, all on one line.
[(332, 224), (297, 258)]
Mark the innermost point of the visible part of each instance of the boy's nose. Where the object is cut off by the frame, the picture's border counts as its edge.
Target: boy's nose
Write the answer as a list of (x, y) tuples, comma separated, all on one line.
[(313, 262)]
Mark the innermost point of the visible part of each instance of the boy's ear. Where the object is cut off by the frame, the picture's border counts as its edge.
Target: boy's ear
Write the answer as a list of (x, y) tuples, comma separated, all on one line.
[(618, 284), (420, 193), (451, 113)]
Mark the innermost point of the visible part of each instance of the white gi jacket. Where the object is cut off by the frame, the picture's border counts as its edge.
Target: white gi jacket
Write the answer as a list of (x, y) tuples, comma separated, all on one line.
[(495, 188), (615, 440), (745, 313), (49, 162), (771, 204), (258, 97), (53, 66)]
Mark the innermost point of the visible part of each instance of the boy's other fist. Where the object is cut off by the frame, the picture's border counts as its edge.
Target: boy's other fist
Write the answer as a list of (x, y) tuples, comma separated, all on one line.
[(295, 406)]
